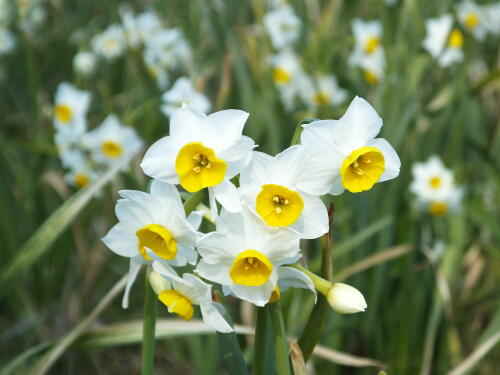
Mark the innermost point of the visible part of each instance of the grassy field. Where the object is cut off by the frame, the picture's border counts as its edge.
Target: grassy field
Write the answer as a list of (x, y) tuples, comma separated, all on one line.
[(432, 284)]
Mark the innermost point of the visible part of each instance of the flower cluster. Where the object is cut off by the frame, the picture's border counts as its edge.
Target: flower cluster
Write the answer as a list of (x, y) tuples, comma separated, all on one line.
[(294, 84), (434, 187), (445, 39), (87, 154), (256, 243)]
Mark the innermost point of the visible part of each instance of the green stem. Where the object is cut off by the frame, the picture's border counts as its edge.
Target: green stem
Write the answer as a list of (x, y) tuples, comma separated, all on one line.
[(194, 200), (281, 348), (263, 362), (148, 328), (298, 130), (314, 325)]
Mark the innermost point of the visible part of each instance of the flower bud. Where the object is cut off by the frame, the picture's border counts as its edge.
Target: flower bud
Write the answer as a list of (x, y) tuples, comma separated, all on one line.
[(157, 282), (345, 299)]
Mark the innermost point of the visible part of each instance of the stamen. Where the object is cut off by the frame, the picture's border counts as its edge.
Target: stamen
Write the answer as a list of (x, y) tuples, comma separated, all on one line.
[(355, 164), (196, 156), (250, 260), (208, 165), (366, 160), (276, 199), (197, 169), (278, 210), (286, 201), (358, 171)]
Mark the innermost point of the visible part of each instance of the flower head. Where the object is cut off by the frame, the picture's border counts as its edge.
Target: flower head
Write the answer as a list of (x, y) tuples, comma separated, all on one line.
[(112, 142), (345, 153), (154, 222), (202, 152), (443, 42), (270, 187), (434, 187), (346, 299), (282, 25), (70, 110), (325, 91), (185, 292), (183, 92), (472, 17), (244, 255), (110, 44), (84, 63)]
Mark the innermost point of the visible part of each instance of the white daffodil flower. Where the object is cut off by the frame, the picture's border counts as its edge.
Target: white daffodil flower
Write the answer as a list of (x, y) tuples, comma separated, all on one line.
[(183, 92), (345, 153), (202, 152), (471, 16), (270, 187), (187, 291), (283, 26), (7, 41), (80, 176), (244, 254), (434, 187), (138, 29), (111, 43), (443, 43), (325, 90), (154, 222), (84, 63), (112, 142), (70, 110), (71, 155), (373, 67), (368, 39), (167, 48)]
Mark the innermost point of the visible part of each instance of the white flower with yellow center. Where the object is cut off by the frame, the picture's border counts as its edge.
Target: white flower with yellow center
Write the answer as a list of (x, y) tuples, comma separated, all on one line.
[(434, 187), (180, 295), (167, 48), (244, 254), (368, 39), (81, 176), (282, 25), (110, 44), (183, 92), (138, 29), (373, 67), (442, 42), (154, 222), (70, 110), (345, 153), (270, 187), (7, 41), (112, 142), (471, 16), (325, 90), (69, 150), (202, 152)]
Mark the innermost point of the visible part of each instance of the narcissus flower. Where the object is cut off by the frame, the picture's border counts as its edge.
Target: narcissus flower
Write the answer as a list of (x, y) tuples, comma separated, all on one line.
[(70, 108), (282, 25), (442, 42), (184, 293), (183, 92), (112, 142), (110, 44), (345, 153), (84, 63), (244, 255), (154, 222), (202, 152), (325, 91), (81, 175), (346, 299), (472, 18), (434, 187), (271, 187), (291, 278)]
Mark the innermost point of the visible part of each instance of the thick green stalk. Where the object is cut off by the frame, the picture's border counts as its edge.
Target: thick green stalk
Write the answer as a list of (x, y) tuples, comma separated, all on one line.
[(194, 200), (148, 328), (281, 348), (298, 131), (263, 361), (314, 325)]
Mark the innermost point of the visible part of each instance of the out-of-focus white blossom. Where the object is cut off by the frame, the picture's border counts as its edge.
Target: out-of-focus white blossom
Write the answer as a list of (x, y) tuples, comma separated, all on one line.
[(283, 26), (183, 92), (109, 44), (442, 42), (84, 63)]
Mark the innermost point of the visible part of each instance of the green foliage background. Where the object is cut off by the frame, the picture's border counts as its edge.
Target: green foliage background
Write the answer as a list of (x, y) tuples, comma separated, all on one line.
[(427, 110)]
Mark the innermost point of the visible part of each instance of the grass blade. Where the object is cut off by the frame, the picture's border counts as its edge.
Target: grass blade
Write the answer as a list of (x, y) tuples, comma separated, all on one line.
[(148, 331)]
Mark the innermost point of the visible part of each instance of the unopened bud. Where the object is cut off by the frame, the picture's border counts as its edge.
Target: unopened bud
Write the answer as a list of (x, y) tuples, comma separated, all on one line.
[(157, 282), (345, 299)]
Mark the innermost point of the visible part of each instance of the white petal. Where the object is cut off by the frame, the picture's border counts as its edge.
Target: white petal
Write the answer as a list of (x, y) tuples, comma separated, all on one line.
[(214, 247), (289, 277), (363, 121), (228, 196), (159, 160), (187, 123), (289, 164), (257, 172), (132, 275), (228, 123), (337, 187), (217, 273), (314, 218), (258, 295), (166, 191), (165, 270), (214, 318), (121, 239), (392, 162), (238, 149), (188, 252), (318, 176), (195, 219)]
